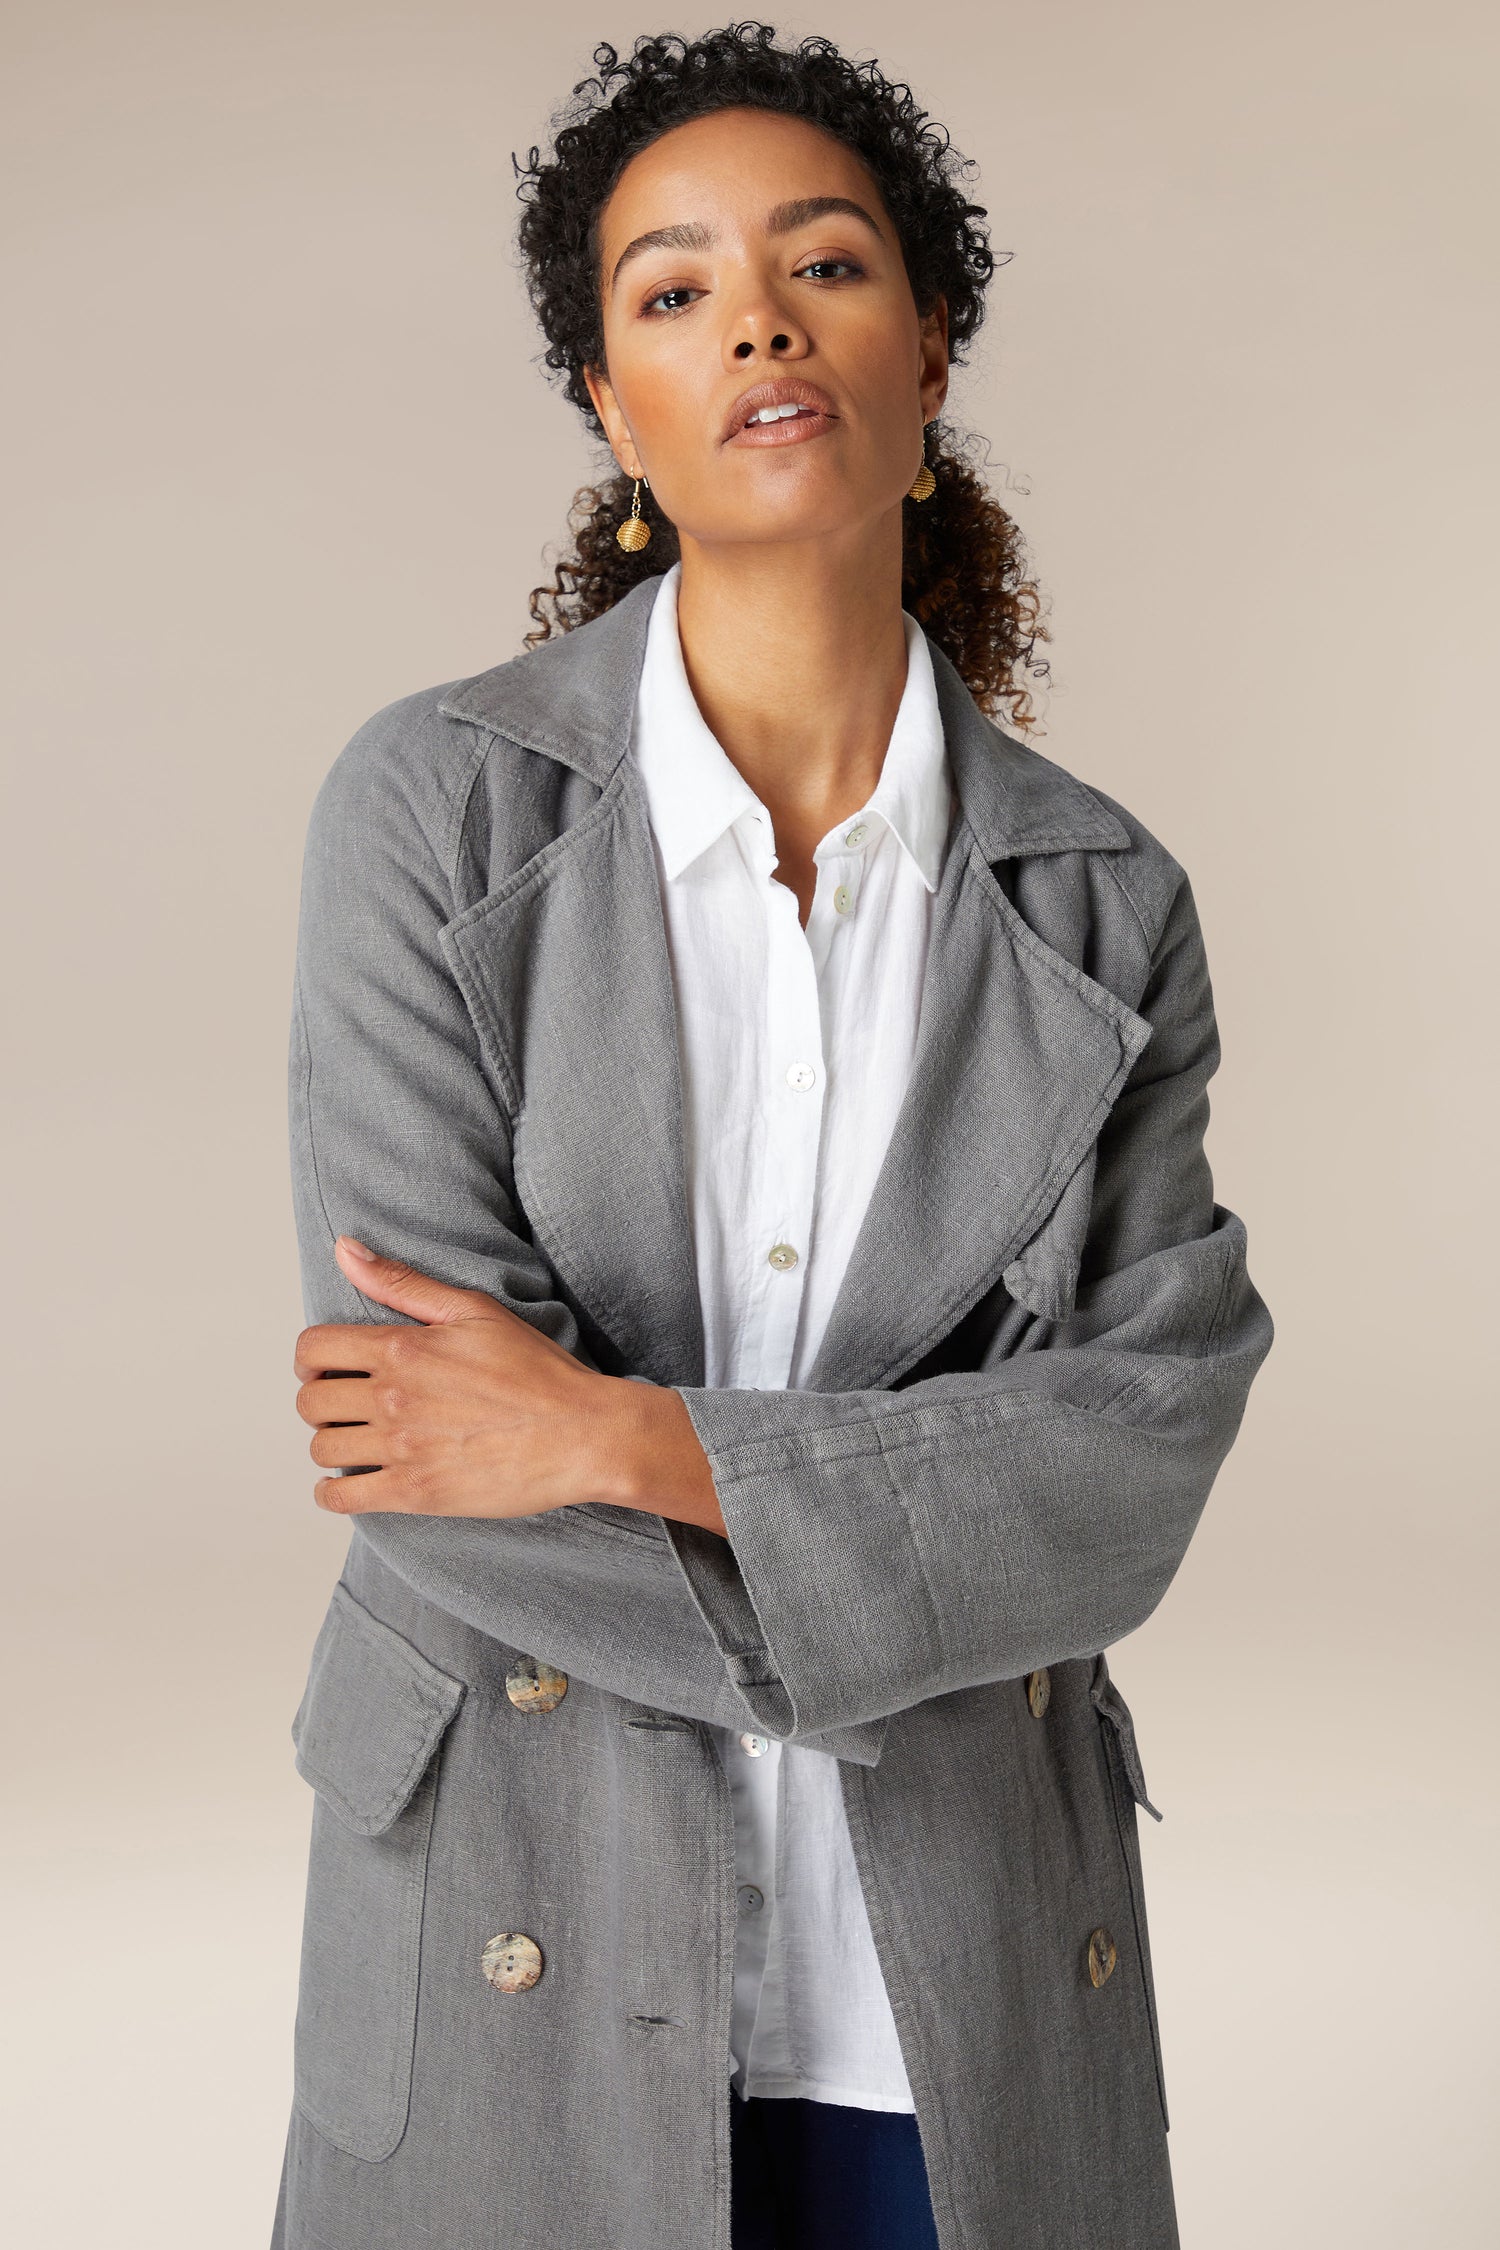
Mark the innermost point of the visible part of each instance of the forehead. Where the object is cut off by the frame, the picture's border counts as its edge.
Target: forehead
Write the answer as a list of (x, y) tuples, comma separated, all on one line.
[(727, 171)]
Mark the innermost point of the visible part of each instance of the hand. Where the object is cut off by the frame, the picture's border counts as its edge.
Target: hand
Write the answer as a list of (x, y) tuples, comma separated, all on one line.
[(476, 1413)]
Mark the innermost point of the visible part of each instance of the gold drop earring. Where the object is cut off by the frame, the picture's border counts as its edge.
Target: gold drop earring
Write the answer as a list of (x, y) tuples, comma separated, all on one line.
[(924, 483), (635, 533)]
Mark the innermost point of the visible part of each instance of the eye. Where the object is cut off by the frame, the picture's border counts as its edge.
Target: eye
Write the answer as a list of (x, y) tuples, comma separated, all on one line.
[(671, 300), (828, 269)]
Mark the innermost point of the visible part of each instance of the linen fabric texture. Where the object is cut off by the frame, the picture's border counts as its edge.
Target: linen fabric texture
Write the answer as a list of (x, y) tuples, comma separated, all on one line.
[(1038, 1357), (796, 1048)]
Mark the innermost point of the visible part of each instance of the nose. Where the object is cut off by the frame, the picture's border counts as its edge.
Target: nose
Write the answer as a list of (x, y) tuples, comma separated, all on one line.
[(764, 332)]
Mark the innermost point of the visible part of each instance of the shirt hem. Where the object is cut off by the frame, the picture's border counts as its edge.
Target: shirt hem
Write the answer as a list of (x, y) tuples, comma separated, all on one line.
[(841, 2097)]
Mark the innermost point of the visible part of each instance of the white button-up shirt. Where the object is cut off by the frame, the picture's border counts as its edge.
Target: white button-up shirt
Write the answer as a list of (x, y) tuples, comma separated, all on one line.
[(796, 1049)]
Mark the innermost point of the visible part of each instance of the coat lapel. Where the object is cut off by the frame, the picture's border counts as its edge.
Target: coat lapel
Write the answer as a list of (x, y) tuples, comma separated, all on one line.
[(566, 970), (1019, 1057)]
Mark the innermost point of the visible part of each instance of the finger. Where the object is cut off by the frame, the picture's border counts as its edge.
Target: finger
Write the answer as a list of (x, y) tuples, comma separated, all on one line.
[(338, 1347), (335, 1398), (381, 1492), (349, 1445), (419, 1295)]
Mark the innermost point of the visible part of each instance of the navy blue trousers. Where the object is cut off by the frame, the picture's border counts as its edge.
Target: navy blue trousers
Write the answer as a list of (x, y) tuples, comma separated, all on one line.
[(817, 2176)]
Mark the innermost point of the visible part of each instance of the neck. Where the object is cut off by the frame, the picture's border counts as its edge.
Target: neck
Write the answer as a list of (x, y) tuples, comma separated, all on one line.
[(796, 655)]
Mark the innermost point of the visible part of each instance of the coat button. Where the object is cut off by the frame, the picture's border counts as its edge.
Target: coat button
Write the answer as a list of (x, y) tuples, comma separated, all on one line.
[(1101, 1955), (1038, 1691), (535, 1687), (512, 1962)]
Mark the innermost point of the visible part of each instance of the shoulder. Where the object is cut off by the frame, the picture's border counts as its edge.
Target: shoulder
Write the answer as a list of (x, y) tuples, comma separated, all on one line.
[(402, 779), (424, 783), (1149, 876), (481, 772), (1048, 830), (1090, 876)]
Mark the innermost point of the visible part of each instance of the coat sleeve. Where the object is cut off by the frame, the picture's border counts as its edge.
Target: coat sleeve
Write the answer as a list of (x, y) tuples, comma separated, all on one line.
[(399, 1136), (890, 1545)]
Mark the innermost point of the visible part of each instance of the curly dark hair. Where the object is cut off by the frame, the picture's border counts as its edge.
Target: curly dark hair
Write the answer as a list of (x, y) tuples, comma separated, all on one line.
[(964, 564)]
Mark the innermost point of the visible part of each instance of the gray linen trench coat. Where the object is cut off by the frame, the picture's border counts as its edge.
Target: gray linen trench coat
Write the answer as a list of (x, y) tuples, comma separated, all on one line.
[(1038, 1359)]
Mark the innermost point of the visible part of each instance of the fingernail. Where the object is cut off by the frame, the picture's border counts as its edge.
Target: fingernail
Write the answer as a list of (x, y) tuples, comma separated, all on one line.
[(360, 1249)]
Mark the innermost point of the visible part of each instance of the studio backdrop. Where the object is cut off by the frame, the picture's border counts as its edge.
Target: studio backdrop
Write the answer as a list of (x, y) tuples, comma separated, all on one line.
[(279, 450)]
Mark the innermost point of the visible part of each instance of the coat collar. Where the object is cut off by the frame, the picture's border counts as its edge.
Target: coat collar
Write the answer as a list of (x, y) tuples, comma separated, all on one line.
[(573, 699), (565, 968)]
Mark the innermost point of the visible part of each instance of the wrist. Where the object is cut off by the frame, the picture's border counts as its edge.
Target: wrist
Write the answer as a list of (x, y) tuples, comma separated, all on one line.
[(657, 1463), (622, 1442)]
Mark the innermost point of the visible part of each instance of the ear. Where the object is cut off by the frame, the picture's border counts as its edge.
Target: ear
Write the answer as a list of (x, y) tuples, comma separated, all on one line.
[(932, 359), (607, 407)]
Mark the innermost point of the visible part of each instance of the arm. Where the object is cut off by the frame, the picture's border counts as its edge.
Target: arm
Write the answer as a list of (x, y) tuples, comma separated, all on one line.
[(398, 1137), (886, 1546)]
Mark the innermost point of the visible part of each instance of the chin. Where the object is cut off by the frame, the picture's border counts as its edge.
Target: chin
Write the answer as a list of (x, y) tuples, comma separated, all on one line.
[(791, 520)]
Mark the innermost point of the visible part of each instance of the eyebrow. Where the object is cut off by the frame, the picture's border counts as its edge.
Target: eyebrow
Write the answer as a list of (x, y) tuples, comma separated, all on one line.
[(782, 218)]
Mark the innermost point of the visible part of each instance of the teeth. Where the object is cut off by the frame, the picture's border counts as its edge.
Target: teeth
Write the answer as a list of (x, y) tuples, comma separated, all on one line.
[(775, 413)]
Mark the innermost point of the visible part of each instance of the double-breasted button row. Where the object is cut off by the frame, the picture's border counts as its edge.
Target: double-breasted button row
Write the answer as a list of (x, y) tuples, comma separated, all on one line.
[(533, 1686), (1100, 1953), (513, 1961)]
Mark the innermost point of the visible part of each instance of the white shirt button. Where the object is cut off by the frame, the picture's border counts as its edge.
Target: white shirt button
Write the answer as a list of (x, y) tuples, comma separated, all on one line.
[(782, 1256), (751, 1898), (755, 1745), (801, 1076), (857, 833), (843, 900)]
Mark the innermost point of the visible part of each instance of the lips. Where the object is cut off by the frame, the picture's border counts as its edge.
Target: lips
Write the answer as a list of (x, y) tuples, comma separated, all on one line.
[(812, 404)]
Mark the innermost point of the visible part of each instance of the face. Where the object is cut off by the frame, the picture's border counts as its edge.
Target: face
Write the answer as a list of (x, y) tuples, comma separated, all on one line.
[(748, 268)]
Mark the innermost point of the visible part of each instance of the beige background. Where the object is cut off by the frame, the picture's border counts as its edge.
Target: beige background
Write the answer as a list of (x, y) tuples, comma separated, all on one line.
[(279, 452)]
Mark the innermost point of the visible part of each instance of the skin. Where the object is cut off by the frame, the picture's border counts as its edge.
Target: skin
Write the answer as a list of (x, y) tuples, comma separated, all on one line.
[(791, 557), (791, 572)]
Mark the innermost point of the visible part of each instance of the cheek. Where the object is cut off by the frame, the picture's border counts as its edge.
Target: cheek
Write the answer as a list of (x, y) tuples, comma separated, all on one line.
[(674, 407), (889, 376), (661, 375)]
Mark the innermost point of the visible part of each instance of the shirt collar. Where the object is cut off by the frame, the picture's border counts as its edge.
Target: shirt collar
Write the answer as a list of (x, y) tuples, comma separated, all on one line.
[(913, 793), (694, 791)]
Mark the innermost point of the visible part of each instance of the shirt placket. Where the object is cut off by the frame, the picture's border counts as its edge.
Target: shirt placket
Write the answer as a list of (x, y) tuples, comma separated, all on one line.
[(779, 1225), (804, 969), (770, 2060), (752, 1764), (841, 860)]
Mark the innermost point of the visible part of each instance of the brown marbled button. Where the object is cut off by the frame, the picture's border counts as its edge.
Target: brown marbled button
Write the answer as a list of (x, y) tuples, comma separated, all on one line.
[(1102, 1956), (535, 1687), (512, 1962), (1039, 1691)]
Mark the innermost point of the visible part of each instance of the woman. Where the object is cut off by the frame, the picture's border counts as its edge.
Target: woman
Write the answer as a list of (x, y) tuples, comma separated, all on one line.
[(748, 1122)]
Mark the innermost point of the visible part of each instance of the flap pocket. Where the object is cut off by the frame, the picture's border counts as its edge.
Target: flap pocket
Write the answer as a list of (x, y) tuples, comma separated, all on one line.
[(367, 1737), (1111, 1706), (374, 1712)]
